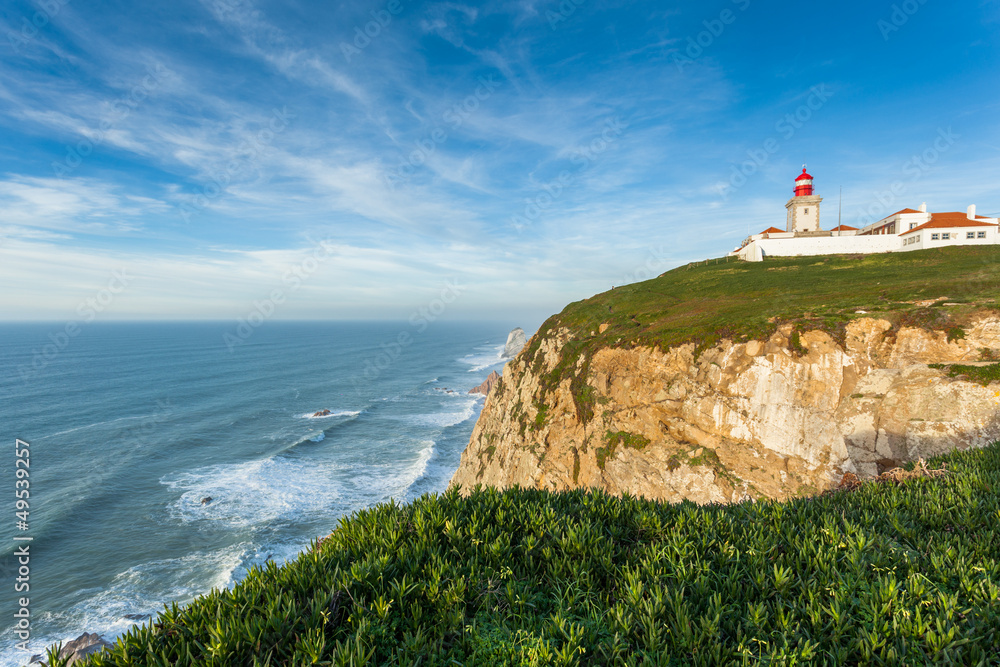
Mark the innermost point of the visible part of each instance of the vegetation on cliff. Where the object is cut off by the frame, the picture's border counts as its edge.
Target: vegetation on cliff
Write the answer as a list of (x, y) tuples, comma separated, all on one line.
[(984, 375), (708, 302), (885, 574)]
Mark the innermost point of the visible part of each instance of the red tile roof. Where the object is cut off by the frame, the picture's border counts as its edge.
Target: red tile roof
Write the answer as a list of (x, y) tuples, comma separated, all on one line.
[(844, 228), (903, 212), (949, 220), (773, 230)]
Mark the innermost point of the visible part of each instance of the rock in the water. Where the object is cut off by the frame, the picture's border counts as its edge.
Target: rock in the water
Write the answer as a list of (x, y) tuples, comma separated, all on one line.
[(322, 413), (515, 342), (85, 645), (486, 386), (138, 617), (206, 500)]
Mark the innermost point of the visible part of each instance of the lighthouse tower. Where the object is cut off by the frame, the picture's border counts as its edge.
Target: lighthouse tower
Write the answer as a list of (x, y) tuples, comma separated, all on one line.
[(803, 208)]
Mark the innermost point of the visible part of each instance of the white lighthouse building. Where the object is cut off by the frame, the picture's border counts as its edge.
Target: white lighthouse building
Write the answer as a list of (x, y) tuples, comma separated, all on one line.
[(803, 208), (909, 229)]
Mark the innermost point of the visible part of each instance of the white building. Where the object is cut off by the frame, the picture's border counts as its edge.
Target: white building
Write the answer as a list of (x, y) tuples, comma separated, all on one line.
[(902, 231)]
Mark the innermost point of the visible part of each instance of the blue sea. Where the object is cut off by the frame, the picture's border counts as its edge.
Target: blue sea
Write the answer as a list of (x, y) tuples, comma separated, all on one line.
[(131, 425)]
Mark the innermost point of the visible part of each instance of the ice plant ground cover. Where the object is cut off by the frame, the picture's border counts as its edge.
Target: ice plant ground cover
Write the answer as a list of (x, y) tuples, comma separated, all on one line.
[(903, 571)]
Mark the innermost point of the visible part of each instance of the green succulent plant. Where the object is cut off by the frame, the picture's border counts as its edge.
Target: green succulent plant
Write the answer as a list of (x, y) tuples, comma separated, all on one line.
[(889, 574)]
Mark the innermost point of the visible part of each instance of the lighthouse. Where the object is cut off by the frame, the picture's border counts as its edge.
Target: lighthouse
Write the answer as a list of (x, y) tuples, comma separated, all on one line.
[(803, 208)]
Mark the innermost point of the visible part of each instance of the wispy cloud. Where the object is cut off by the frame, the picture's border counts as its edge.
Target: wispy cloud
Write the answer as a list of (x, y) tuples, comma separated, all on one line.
[(79, 206), (416, 167)]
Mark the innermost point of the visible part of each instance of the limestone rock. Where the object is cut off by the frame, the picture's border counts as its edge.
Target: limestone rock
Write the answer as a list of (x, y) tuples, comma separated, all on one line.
[(487, 386), (742, 420), (83, 646), (516, 341)]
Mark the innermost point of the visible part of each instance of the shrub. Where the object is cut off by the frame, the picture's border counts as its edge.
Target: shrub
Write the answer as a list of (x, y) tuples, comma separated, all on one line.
[(904, 574)]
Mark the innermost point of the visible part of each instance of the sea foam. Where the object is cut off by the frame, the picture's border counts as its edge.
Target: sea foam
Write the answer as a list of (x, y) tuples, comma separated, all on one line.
[(255, 493), (483, 359), (451, 417), (333, 414)]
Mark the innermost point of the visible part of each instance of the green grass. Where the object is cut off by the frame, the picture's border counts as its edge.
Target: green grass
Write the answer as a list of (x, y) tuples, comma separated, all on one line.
[(742, 301), (956, 333), (541, 417), (885, 575), (984, 375), (613, 440)]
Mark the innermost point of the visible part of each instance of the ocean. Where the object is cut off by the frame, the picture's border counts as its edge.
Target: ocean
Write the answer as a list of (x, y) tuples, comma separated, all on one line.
[(131, 426)]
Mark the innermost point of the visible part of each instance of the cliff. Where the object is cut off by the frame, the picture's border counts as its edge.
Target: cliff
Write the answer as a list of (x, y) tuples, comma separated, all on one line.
[(763, 412)]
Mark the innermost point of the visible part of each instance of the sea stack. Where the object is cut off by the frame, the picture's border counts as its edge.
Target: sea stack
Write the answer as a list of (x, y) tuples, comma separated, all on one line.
[(486, 386), (515, 342)]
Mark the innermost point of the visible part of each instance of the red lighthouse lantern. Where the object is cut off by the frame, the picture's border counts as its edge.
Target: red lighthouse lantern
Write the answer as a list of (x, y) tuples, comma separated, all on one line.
[(804, 184)]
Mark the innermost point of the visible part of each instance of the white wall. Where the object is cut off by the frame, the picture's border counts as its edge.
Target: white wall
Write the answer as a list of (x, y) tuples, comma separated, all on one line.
[(957, 237), (808, 222), (820, 245), (762, 248)]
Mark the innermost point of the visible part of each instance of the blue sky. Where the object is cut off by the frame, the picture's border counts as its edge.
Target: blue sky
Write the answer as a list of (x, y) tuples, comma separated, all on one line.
[(362, 159)]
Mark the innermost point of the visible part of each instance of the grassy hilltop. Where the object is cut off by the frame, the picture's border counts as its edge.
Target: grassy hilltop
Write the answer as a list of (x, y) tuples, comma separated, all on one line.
[(887, 575), (718, 299), (705, 302)]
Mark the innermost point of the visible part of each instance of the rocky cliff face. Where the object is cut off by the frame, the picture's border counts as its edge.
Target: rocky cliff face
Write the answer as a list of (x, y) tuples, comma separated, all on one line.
[(776, 418)]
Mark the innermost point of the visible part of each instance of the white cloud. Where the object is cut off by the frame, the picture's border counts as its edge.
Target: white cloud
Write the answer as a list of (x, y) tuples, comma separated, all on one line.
[(47, 281), (70, 205), (356, 123)]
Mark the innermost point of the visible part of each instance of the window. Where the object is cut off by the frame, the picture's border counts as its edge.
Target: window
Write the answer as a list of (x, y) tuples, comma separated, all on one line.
[(912, 225), (805, 211), (970, 235), (981, 235), (935, 237), (946, 237)]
